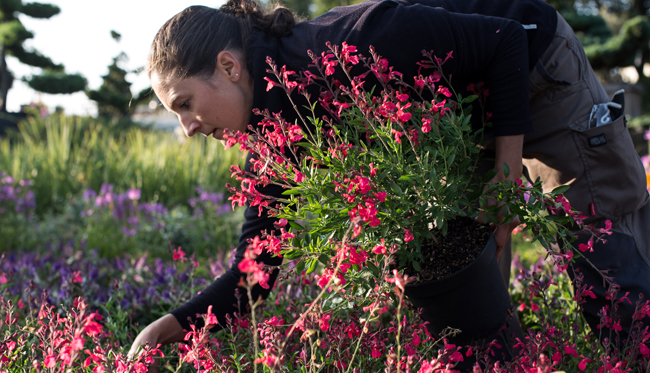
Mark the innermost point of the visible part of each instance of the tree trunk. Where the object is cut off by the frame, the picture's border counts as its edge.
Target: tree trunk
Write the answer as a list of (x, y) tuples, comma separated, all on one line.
[(6, 80)]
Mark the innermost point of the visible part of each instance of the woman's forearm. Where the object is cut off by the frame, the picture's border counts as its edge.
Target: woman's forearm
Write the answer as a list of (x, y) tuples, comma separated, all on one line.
[(509, 151)]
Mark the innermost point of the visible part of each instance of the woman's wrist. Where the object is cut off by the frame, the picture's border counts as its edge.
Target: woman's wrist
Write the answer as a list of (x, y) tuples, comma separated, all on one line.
[(168, 330)]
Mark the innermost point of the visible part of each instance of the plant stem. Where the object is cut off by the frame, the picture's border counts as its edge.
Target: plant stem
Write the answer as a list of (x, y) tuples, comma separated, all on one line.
[(254, 322), (399, 330)]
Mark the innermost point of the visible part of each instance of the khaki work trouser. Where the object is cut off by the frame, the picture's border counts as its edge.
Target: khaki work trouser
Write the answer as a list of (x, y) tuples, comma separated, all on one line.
[(601, 166)]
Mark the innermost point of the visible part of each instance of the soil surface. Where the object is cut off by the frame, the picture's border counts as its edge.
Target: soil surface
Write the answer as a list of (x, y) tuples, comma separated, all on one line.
[(464, 242)]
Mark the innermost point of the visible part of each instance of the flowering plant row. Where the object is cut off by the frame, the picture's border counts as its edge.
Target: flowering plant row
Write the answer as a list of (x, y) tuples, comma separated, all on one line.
[(114, 223), (296, 331)]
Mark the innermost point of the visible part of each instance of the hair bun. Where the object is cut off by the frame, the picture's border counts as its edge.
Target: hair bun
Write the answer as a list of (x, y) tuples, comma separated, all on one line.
[(278, 23)]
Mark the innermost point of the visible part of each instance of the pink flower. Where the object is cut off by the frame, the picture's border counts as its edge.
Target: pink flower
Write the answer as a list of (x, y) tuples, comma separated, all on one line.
[(397, 134), (299, 178), (286, 235), (589, 246), (179, 254), (380, 249), (345, 52), (268, 359), (211, 319), (3, 279), (270, 84), (569, 350), (444, 91), (644, 350), (401, 115), (329, 65), (275, 321), (583, 364), (456, 356), (281, 222), (77, 344), (426, 125), (133, 194), (323, 323), (91, 327), (76, 277), (50, 362), (407, 235), (564, 202)]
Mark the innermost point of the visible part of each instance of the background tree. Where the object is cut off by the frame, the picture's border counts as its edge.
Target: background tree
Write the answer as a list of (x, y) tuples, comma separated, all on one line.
[(114, 98), (614, 33), (12, 37)]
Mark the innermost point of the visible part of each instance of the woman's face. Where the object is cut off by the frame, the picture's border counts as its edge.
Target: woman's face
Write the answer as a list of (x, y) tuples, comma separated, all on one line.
[(209, 106)]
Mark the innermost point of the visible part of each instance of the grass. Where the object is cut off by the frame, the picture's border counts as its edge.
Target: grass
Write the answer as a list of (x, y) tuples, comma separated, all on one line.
[(65, 155)]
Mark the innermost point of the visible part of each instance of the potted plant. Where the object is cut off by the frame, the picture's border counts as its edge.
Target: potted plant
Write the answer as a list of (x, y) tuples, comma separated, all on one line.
[(380, 181)]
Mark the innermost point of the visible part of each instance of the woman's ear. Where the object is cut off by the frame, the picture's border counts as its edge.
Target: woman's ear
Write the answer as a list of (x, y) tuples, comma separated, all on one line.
[(229, 64)]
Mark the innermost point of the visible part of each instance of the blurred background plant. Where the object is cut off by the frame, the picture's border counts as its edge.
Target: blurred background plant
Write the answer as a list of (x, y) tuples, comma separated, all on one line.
[(63, 155)]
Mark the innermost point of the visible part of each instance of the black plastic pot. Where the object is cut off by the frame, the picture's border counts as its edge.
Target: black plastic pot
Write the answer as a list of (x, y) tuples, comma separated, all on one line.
[(474, 300)]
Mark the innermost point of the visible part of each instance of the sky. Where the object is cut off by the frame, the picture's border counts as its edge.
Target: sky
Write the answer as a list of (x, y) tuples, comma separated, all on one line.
[(79, 38)]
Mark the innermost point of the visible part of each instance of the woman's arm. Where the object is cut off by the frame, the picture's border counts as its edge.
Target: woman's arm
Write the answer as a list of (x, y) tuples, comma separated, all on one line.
[(162, 331)]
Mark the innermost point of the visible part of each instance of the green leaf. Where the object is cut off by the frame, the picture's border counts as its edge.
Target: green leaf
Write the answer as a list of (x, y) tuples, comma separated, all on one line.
[(373, 268), (560, 190), (296, 226), (293, 254), (416, 266), (406, 178), (469, 99), (291, 191), (506, 169), (396, 188), (490, 174), (433, 174), (312, 265), (324, 259), (300, 267)]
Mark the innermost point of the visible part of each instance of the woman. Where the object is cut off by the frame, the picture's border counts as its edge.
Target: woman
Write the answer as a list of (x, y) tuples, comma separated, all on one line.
[(208, 67)]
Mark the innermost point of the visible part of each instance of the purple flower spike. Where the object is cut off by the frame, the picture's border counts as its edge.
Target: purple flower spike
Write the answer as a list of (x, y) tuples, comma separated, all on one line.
[(89, 195), (105, 189)]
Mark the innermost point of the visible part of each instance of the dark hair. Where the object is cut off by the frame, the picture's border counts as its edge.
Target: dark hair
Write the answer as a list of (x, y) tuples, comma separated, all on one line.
[(188, 44)]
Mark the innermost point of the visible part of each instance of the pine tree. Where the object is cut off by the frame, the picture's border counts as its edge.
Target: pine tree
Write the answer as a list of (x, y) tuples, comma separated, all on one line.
[(114, 98), (12, 37)]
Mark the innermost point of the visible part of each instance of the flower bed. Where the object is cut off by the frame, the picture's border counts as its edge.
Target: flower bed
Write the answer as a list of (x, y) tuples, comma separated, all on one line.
[(65, 306)]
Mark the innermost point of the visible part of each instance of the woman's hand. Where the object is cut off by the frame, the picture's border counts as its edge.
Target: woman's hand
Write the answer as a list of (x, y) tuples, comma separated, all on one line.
[(162, 331)]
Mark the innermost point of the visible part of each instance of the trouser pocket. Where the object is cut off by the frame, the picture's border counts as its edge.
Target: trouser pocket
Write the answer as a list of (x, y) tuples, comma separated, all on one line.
[(614, 174)]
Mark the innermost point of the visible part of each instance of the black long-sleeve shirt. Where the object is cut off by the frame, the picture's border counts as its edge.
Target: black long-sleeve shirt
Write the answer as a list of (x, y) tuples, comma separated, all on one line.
[(496, 51)]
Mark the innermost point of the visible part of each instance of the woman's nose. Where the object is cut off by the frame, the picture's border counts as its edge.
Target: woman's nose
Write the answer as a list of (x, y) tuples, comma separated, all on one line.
[(190, 126)]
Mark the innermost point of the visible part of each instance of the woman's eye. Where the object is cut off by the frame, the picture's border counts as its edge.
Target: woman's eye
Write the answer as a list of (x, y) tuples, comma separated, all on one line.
[(184, 105)]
